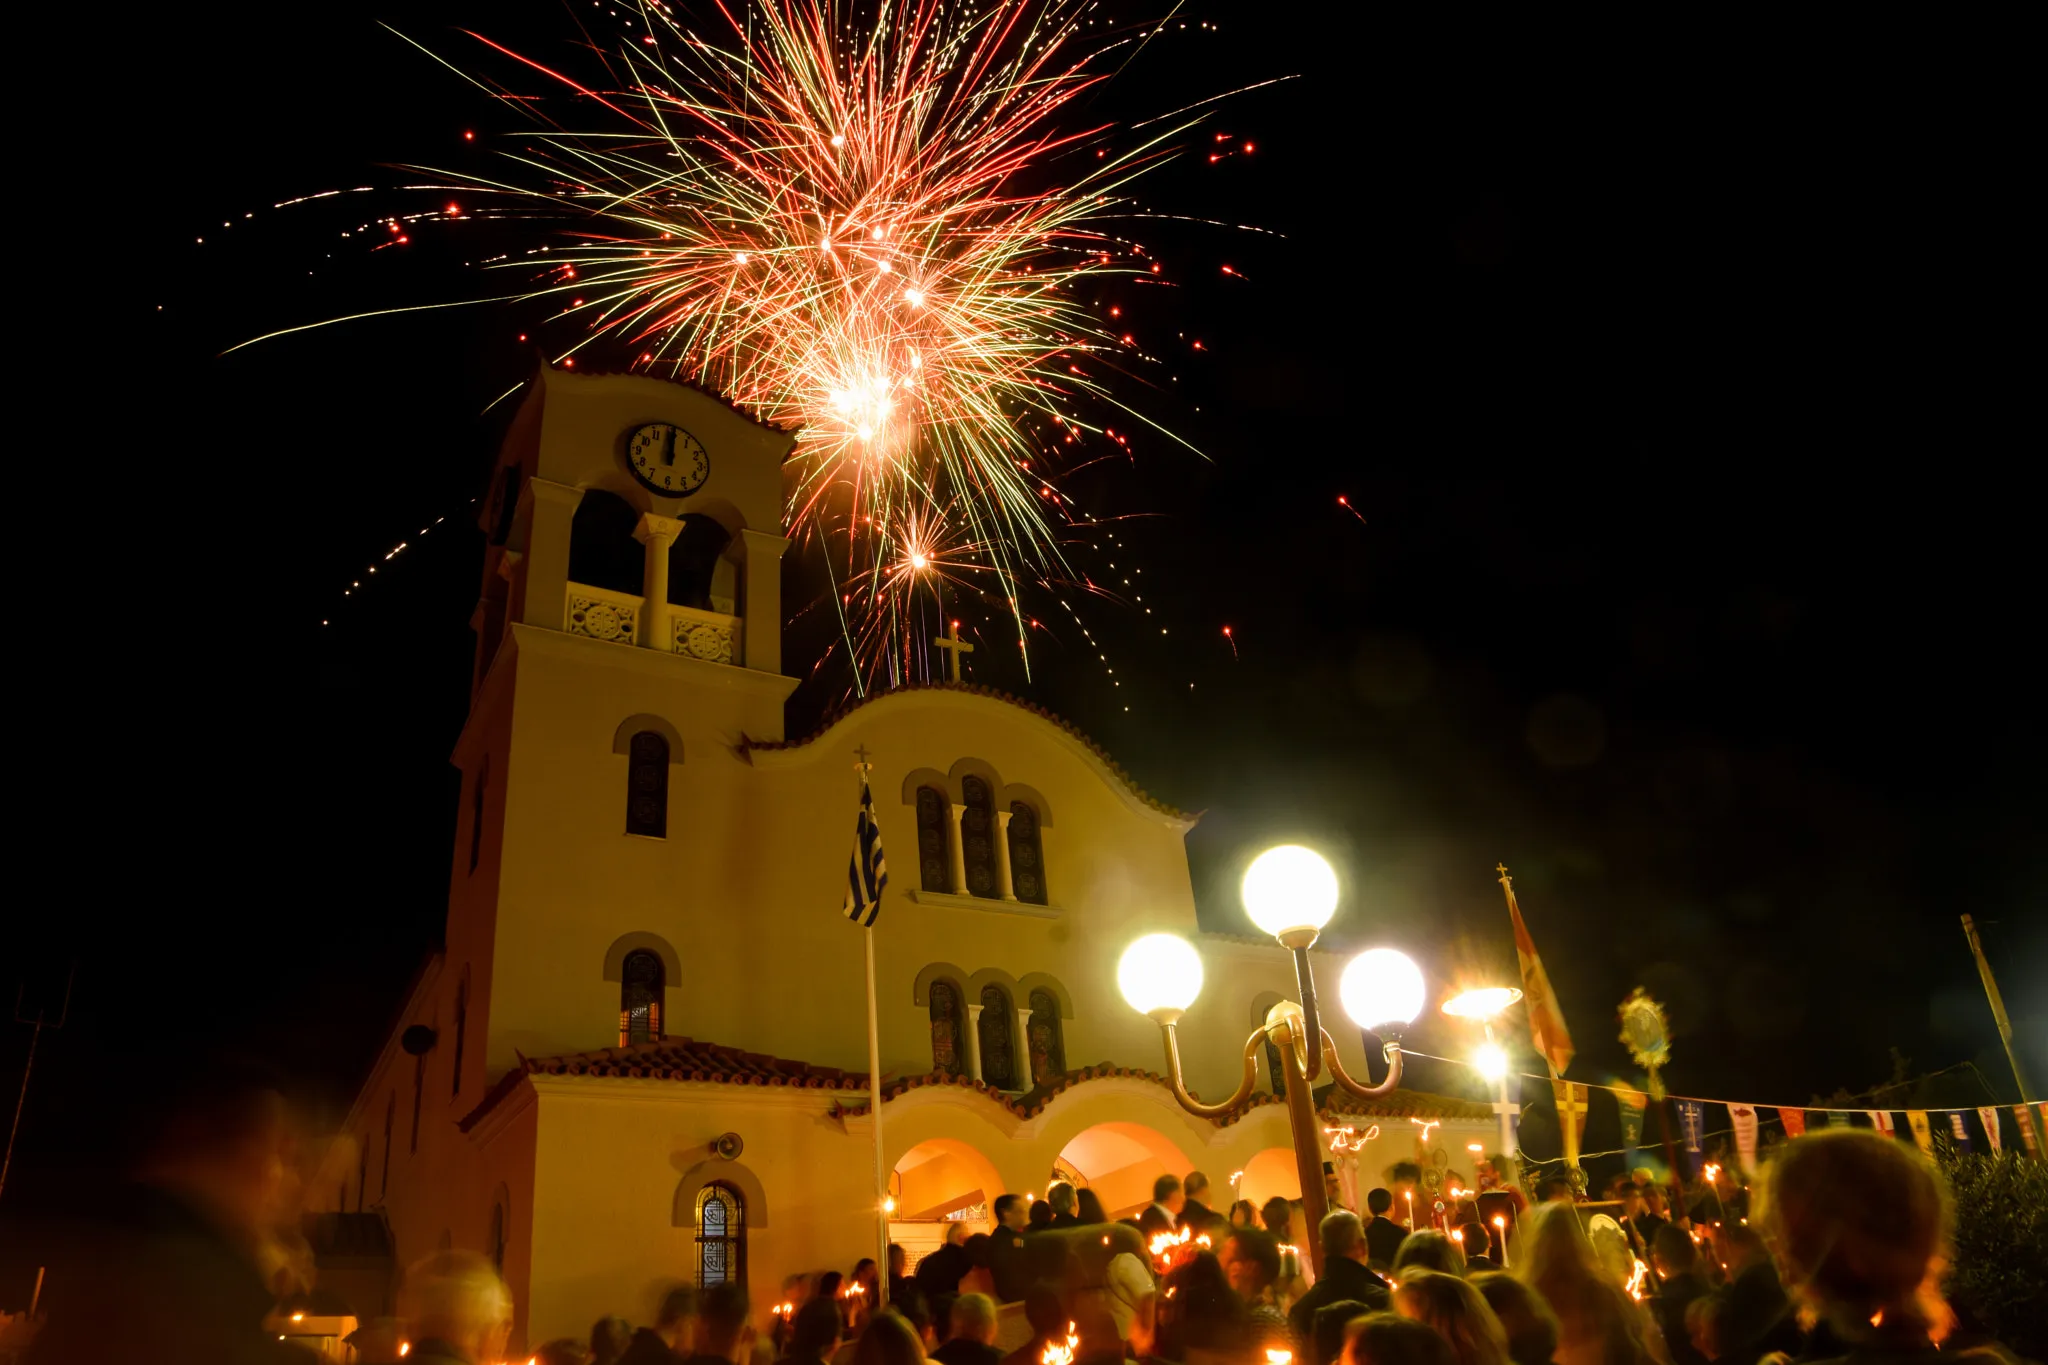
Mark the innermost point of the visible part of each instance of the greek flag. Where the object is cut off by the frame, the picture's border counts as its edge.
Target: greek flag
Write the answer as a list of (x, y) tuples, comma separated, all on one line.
[(867, 872)]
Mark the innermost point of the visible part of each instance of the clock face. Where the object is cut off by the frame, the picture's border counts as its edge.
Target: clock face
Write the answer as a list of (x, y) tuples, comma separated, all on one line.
[(669, 460)]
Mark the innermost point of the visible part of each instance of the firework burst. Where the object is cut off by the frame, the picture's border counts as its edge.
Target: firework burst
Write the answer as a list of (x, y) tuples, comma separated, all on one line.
[(874, 227)]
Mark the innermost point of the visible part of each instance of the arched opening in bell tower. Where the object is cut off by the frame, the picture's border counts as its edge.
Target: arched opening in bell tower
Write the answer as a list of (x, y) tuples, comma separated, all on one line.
[(602, 550)]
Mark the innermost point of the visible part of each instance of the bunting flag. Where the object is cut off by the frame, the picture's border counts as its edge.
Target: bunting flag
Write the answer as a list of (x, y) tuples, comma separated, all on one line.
[(1916, 1119), (867, 872), (1955, 1122), (1546, 1020), (1692, 1120), (1743, 1116), (1794, 1121), (1572, 1104), (2027, 1138), (1838, 1118), (1880, 1119), (1634, 1105), (1988, 1116)]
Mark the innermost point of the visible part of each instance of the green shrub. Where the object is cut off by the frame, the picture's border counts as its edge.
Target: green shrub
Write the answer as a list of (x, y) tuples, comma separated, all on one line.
[(1999, 1279)]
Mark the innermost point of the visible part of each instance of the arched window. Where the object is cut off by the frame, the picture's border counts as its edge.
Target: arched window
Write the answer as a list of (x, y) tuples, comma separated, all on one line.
[(998, 1051), (977, 841), (602, 551), (932, 871), (476, 811), (693, 562), (362, 1172), (419, 1091), (647, 785), (947, 1058), (641, 980), (1274, 1075), (1027, 858), (390, 1115), (461, 1025), (1048, 1049), (721, 1235)]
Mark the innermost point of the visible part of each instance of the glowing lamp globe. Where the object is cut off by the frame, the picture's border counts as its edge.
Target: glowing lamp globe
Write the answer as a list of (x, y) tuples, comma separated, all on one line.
[(1160, 973), (1492, 1061), (1289, 890), (1381, 990)]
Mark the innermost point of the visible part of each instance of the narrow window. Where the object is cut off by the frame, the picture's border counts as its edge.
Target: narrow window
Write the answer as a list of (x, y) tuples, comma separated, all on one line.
[(1027, 857), (390, 1115), (647, 785), (977, 838), (946, 1035), (998, 1055), (721, 1236), (419, 1090), (461, 1025), (500, 1221), (933, 874), (641, 980), (1048, 1049), (476, 812), (362, 1172), (1274, 1075)]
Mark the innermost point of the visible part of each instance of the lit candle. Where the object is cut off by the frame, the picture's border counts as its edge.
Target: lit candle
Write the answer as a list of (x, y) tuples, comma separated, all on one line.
[(1500, 1225)]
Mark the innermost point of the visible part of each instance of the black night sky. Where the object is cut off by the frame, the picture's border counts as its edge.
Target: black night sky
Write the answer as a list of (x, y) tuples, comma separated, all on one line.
[(1676, 376)]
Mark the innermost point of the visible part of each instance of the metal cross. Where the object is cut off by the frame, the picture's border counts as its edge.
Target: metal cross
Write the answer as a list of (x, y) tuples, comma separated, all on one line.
[(954, 647), (860, 753)]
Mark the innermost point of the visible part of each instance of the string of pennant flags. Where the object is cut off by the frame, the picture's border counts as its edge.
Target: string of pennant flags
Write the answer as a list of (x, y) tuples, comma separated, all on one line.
[(1647, 1036)]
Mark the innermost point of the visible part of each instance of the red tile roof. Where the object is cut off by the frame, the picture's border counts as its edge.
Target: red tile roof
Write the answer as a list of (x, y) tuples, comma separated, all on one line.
[(748, 745), (673, 1059), (686, 1059)]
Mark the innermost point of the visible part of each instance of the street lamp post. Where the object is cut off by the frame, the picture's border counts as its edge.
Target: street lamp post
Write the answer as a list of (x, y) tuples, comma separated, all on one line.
[(1289, 892)]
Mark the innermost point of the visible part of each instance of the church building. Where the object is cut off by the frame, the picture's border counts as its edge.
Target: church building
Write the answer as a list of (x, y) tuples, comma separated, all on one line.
[(641, 1057)]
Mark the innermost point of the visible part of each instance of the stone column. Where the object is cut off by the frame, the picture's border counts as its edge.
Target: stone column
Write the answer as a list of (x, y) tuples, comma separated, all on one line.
[(657, 534), (1003, 885), (760, 602), (545, 601), (974, 1041), (959, 854), (1025, 1080)]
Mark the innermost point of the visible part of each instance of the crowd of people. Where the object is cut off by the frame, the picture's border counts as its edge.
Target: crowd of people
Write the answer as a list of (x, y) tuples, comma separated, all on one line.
[(1838, 1260), (1840, 1265)]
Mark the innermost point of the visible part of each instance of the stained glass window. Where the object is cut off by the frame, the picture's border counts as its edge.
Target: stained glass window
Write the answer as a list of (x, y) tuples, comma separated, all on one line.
[(1027, 858), (1048, 1049), (932, 870), (947, 1058), (977, 838), (721, 1235), (998, 1056), (1274, 1075), (641, 979), (647, 785)]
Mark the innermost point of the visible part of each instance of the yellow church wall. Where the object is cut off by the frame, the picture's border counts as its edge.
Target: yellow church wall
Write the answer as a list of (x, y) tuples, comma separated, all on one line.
[(613, 1156)]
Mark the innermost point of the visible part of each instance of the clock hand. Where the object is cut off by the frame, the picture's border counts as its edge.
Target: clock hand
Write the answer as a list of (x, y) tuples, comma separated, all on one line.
[(668, 449)]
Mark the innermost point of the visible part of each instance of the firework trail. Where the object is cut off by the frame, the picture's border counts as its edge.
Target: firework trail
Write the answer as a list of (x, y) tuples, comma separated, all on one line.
[(873, 226)]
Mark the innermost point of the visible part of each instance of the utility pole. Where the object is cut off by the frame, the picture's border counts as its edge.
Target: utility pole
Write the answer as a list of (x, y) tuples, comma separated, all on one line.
[(40, 1022), (1997, 1007)]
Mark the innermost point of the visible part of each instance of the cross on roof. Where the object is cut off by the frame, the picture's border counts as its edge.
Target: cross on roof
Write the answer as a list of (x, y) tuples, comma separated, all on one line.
[(860, 755), (954, 647)]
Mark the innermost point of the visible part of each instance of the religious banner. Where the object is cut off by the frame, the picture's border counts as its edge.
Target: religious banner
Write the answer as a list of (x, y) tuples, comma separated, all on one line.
[(1571, 1116), (1546, 1020), (1692, 1121), (1955, 1123), (1743, 1116), (1922, 1133), (2027, 1138), (1634, 1105), (1794, 1121), (1988, 1116), (1880, 1119), (1838, 1118)]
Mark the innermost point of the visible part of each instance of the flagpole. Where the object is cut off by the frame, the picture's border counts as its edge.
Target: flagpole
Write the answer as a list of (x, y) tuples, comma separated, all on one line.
[(875, 1108)]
